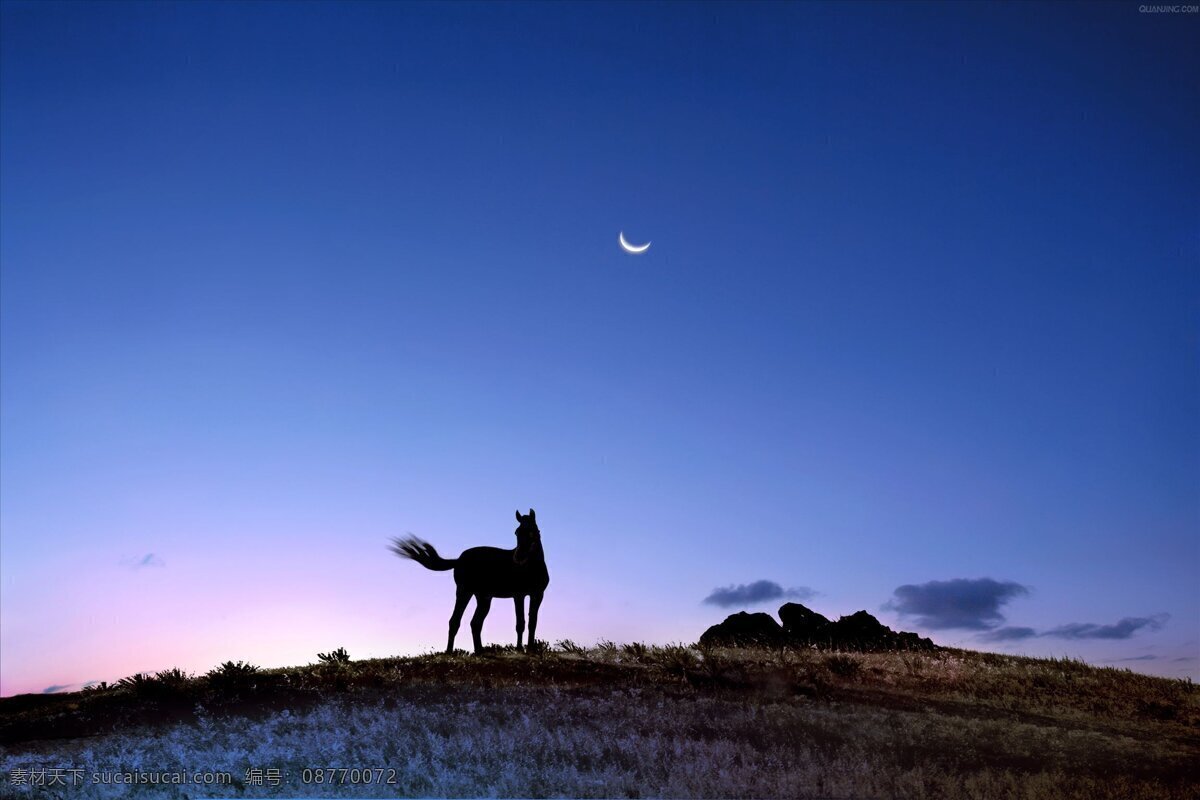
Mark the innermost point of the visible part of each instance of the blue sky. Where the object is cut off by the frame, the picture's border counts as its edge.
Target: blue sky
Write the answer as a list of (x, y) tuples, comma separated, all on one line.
[(280, 281)]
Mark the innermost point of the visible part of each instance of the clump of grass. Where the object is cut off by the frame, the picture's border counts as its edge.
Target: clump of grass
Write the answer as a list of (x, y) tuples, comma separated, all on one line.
[(339, 656), (677, 658), (233, 677), (165, 685), (174, 676), (637, 652), (173, 681), (334, 670), (783, 655), (717, 668), (843, 665), (568, 646), (138, 683), (914, 665)]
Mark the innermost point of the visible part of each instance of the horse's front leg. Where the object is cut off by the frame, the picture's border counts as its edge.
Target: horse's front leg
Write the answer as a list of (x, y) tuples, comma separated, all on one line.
[(519, 600), (535, 600)]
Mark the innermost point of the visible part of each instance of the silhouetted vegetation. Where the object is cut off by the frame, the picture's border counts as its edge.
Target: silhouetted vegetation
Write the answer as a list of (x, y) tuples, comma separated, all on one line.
[(233, 678), (169, 684), (339, 656), (637, 652)]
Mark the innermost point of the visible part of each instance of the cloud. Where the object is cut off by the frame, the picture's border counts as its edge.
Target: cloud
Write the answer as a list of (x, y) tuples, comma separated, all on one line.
[(1120, 630), (1008, 634), (758, 592), (1184, 658), (971, 603), (140, 562), (1147, 657), (55, 688), (1124, 629)]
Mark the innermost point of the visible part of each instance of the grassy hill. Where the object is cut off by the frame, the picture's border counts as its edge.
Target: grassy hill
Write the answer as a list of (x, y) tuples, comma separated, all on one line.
[(624, 721)]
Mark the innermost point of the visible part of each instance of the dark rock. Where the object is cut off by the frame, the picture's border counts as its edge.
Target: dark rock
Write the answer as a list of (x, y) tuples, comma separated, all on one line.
[(802, 624), (906, 640), (861, 631), (741, 629), (859, 627), (857, 631)]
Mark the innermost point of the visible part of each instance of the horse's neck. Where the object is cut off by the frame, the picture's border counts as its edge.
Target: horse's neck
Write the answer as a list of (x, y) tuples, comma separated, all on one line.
[(536, 554)]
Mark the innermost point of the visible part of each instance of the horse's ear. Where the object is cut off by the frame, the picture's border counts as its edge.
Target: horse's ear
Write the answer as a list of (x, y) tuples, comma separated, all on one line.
[(518, 516), (531, 514)]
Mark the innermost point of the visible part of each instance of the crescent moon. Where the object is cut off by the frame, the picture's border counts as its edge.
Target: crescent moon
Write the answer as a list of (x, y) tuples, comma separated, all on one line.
[(629, 248)]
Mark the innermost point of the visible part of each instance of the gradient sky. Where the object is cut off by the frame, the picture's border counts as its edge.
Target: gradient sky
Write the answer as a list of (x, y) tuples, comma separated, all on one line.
[(282, 281)]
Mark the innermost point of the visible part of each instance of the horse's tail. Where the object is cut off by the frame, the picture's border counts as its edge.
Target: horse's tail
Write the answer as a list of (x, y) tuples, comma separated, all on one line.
[(422, 553)]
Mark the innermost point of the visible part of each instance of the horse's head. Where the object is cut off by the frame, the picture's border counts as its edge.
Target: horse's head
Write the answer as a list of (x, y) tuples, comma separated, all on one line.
[(528, 535)]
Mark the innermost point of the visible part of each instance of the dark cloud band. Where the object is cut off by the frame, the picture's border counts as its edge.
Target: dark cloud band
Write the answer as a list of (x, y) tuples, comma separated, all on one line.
[(1008, 634), (757, 592), (1123, 629)]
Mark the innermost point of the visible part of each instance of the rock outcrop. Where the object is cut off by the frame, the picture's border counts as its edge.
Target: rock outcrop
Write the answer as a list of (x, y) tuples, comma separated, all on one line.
[(802, 623), (805, 627), (742, 629), (861, 631)]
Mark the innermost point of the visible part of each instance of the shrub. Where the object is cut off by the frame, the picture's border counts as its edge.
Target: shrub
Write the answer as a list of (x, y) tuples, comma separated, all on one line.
[(172, 677), (339, 656), (636, 651), (678, 658), (139, 683), (843, 666), (165, 685), (233, 677)]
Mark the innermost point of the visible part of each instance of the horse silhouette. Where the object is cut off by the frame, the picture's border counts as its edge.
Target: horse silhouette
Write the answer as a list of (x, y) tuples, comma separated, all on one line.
[(487, 572)]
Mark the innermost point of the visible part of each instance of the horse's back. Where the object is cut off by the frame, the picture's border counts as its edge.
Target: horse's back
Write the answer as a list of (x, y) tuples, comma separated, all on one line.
[(492, 571), (490, 556)]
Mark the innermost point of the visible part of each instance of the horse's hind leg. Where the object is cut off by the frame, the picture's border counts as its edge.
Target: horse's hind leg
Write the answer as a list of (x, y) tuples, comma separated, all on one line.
[(460, 605), (483, 603), (520, 602)]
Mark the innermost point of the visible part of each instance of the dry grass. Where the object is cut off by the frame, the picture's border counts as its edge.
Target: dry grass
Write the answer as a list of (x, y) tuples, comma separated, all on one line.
[(638, 721)]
